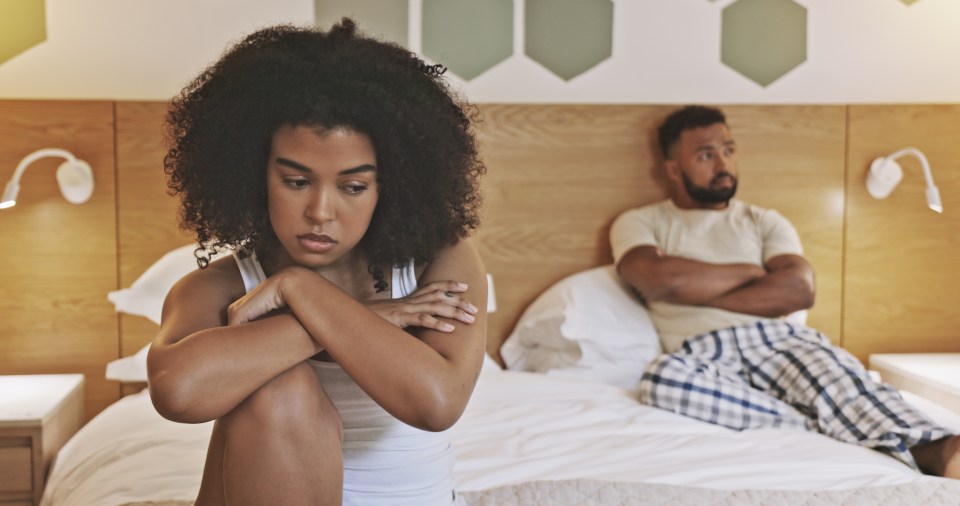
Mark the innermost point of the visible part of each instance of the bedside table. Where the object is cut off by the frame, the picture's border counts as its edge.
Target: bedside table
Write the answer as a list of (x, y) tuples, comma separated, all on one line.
[(38, 413), (935, 376)]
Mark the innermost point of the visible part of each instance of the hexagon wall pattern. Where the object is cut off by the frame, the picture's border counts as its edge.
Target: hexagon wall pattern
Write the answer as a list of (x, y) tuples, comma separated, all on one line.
[(763, 39), (23, 24), (568, 37), (385, 19), (467, 36)]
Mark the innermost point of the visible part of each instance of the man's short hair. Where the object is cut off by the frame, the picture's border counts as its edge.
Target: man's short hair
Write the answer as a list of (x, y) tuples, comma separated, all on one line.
[(686, 118)]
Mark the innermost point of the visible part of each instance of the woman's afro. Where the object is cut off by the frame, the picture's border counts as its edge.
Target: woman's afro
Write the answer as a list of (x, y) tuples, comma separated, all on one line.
[(221, 125)]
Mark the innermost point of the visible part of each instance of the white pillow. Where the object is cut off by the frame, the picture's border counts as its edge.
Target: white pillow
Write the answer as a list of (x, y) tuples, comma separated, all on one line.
[(588, 325), (145, 296), (132, 369)]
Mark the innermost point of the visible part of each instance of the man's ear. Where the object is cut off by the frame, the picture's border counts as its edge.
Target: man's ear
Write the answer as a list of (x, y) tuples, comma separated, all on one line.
[(671, 169)]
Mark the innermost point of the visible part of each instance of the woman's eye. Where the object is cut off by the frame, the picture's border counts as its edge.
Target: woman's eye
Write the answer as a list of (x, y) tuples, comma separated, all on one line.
[(297, 183), (354, 189)]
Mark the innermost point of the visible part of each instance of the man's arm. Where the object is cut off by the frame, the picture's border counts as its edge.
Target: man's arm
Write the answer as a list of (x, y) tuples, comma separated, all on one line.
[(677, 280), (788, 286)]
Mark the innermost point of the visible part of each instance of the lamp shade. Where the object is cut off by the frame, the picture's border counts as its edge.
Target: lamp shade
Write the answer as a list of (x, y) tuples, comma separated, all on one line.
[(885, 174), (74, 177)]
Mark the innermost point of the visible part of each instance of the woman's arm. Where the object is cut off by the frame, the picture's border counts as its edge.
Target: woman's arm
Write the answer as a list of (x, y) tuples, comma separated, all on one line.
[(422, 376), (198, 368)]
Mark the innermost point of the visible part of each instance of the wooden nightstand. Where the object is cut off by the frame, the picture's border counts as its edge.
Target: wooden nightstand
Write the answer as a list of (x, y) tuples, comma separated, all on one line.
[(38, 413), (935, 376)]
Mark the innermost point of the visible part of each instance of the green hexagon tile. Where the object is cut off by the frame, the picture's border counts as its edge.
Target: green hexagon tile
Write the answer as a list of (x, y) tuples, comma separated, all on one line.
[(763, 39), (568, 37), (467, 36)]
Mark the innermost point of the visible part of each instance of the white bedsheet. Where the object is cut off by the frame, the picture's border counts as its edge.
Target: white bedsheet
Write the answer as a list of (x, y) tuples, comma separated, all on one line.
[(519, 427)]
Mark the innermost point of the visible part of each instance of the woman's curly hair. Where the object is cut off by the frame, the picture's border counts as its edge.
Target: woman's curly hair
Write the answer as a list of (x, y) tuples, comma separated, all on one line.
[(221, 125)]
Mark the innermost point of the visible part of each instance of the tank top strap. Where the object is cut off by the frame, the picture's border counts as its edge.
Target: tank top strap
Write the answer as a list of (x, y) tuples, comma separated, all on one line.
[(250, 270), (404, 280)]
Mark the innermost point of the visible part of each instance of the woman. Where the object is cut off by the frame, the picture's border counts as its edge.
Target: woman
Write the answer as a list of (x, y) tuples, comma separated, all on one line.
[(340, 339)]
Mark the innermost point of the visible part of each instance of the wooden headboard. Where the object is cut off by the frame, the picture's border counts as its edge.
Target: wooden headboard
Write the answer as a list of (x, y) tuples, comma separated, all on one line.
[(557, 176)]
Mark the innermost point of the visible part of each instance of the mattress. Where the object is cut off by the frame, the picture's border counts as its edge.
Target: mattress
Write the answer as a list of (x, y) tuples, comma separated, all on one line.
[(529, 438)]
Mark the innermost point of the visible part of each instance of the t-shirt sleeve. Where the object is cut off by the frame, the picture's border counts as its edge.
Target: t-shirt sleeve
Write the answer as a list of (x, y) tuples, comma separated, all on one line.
[(631, 229), (779, 236)]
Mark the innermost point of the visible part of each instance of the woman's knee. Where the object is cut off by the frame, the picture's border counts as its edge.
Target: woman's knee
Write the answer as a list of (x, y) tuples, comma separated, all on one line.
[(286, 402)]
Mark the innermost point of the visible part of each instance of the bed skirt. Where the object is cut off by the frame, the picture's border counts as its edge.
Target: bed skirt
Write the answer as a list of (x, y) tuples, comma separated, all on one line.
[(603, 493)]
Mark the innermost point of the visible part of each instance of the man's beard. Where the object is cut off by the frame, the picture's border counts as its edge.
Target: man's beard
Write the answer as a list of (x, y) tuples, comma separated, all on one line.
[(707, 195)]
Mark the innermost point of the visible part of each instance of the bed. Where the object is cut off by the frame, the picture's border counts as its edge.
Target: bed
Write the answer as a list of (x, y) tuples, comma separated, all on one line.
[(530, 438), (562, 425)]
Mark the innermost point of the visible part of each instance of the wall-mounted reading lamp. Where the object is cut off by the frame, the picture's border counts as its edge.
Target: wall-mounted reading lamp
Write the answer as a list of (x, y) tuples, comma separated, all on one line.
[(74, 177), (885, 174)]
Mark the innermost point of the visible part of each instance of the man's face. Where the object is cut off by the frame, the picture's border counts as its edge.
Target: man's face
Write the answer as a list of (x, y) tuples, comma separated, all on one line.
[(704, 162)]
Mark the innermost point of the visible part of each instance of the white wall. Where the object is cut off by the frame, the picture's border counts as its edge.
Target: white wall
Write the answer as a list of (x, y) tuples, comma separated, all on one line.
[(859, 51)]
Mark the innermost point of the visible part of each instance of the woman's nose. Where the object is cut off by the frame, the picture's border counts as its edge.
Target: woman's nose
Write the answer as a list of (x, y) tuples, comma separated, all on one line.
[(321, 207)]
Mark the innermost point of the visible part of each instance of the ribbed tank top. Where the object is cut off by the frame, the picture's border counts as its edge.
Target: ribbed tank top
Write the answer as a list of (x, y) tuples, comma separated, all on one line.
[(386, 462)]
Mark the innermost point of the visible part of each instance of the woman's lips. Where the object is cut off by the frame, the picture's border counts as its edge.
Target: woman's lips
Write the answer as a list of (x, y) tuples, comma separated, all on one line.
[(317, 243)]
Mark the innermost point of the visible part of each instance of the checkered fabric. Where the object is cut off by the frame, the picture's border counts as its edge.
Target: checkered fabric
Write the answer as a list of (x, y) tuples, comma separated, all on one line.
[(775, 374)]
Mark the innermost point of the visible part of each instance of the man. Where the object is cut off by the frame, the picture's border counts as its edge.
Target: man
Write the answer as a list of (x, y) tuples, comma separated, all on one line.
[(721, 279)]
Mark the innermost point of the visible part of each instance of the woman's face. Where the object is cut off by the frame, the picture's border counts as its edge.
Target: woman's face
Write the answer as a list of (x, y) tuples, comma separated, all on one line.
[(321, 193)]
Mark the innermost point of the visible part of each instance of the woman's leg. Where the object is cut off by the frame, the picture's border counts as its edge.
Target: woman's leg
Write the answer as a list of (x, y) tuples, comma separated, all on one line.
[(282, 445), (211, 487)]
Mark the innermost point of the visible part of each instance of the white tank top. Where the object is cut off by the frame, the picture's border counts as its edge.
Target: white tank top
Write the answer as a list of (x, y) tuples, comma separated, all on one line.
[(386, 462)]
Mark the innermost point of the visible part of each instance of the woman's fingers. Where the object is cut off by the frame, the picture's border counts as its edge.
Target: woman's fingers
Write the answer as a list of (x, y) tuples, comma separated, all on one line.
[(425, 306)]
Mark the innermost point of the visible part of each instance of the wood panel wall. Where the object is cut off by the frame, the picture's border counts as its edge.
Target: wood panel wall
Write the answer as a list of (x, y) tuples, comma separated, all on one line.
[(901, 278), (557, 177), (559, 174), (58, 260)]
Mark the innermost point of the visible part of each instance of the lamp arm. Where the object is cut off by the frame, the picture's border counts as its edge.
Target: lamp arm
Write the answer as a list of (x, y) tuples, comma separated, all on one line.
[(923, 162), (36, 155)]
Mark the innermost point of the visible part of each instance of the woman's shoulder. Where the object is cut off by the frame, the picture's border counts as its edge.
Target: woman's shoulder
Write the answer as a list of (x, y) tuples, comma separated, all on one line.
[(459, 256), (219, 280)]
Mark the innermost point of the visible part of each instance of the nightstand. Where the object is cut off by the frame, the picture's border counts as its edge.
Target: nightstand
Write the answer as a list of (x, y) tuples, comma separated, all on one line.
[(38, 413), (935, 376)]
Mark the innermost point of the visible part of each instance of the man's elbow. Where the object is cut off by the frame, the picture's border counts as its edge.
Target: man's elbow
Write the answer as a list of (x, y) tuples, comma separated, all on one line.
[(651, 288), (804, 296), (808, 298)]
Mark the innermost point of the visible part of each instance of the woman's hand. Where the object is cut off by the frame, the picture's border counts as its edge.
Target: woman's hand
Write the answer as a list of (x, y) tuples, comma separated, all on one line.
[(422, 307), (265, 298)]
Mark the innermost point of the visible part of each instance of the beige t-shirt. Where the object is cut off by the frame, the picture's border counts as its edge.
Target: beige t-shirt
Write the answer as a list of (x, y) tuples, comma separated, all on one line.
[(741, 233)]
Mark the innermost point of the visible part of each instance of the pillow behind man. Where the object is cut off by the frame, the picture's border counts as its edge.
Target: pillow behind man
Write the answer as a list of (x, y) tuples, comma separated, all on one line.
[(587, 325)]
